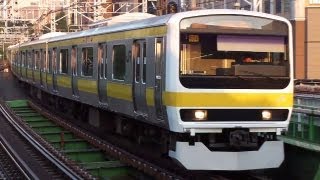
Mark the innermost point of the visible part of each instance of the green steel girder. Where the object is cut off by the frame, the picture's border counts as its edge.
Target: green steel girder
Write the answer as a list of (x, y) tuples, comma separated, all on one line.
[(35, 124), (25, 110), (76, 144), (17, 103), (35, 119), (56, 136), (29, 114), (44, 129), (85, 156), (103, 164), (109, 173)]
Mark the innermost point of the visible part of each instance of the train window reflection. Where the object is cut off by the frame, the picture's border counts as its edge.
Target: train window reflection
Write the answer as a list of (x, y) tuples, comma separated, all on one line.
[(37, 60), (29, 59), (49, 62), (87, 61), (63, 69), (101, 60), (119, 62), (23, 59), (222, 55)]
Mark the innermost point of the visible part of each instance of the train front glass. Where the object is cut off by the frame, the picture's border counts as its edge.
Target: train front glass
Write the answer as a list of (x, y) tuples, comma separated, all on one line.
[(234, 52)]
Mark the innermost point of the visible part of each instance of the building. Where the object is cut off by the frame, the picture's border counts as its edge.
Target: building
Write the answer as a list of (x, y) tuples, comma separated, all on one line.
[(306, 25)]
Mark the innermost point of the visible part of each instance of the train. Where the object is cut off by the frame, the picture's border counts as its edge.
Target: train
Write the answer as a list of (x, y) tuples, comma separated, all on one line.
[(178, 79)]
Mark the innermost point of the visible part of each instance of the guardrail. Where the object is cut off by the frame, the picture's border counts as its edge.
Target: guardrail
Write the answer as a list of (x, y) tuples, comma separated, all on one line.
[(305, 124), (304, 128)]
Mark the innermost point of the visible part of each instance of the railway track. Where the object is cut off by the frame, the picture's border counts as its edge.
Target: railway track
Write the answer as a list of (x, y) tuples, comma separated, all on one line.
[(11, 166), (38, 150), (91, 157), (76, 147)]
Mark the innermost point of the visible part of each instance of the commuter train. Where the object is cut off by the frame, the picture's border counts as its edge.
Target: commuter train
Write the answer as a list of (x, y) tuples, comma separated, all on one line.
[(178, 79)]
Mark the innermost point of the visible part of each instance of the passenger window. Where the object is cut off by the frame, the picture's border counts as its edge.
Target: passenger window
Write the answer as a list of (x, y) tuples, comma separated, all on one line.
[(144, 75), (87, 61), (29, 59), (119, 62), (105, 61), (23, 59), (137, 62), (37, 60), (49, 62), (101, 60), (74, 60), (54, 60), (44, 61), (63, 69)]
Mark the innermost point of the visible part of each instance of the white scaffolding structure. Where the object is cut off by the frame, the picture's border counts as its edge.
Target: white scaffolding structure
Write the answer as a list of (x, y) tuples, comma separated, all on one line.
[(79, 14), (42, 13)]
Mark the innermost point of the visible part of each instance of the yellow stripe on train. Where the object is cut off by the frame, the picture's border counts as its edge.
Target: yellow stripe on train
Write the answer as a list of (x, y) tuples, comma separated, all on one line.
[(87, 85), (228, 99), (120, 91), (64, 81)]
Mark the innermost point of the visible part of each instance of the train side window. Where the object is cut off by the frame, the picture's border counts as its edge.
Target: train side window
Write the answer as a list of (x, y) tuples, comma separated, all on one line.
[(41, 60), (87, 61), (49, 62), (37, 60), (74, 60), (54, 60), (137, 62), (144, 73), (44, 61), (33, 63), (119, 62), (105, 61), (101, 61), (63, 68), (29, 59), (23, 59)]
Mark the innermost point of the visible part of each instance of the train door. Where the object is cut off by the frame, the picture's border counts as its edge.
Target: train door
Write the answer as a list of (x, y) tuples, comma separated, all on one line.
[(102, 73), (54, 70), (139, 51), (74, 72), (159, 77)]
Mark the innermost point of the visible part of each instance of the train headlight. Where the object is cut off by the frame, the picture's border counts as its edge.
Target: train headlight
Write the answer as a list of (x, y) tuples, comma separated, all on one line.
[(200, 114), (266, 115)]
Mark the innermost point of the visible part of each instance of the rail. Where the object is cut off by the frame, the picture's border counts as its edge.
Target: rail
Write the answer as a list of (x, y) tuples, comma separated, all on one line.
[(59, 164), (16, 160)]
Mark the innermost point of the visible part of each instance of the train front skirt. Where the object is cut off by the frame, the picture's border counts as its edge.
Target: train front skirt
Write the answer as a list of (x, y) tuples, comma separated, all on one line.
[(199, 157)]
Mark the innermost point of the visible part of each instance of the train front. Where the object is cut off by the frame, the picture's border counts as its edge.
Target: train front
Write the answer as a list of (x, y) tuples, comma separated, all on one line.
[(234, 89)]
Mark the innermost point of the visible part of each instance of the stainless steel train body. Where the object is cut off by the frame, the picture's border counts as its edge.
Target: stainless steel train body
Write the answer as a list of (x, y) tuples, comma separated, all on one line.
[(180, 72)]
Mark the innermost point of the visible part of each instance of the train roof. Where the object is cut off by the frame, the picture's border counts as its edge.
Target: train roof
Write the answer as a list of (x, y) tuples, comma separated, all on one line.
[(150, 22)]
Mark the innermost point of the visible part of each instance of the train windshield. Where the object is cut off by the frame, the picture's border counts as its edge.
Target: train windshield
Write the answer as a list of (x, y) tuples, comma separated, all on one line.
[(235, 52)]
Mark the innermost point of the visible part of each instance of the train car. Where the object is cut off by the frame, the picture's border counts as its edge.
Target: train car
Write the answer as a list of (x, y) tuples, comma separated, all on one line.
[(213, 87)]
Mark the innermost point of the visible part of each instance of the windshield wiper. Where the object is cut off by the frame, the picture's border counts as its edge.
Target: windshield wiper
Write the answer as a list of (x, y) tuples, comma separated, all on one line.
[(240, 77), (259, 75)]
